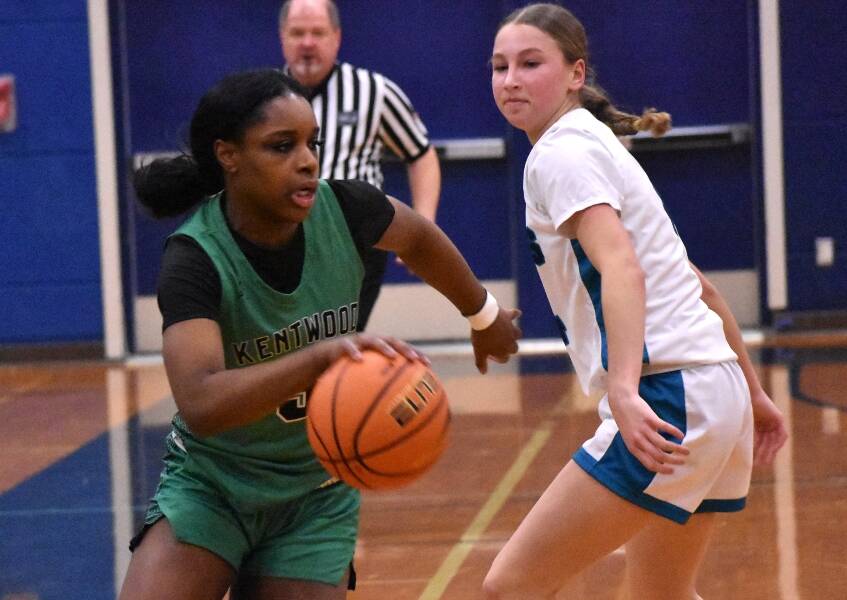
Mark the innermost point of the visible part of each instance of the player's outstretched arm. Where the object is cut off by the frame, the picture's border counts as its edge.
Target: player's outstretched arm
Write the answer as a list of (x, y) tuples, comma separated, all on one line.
[(430, 254)]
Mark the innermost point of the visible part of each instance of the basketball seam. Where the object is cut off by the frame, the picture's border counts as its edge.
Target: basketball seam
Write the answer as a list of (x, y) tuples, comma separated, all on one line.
[(408, 435), (372, 407), (335, 389), (324, 446), (393, 443)]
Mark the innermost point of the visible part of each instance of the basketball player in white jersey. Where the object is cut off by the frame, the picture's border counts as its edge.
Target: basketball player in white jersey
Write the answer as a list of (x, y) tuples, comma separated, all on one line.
[(642, 325)]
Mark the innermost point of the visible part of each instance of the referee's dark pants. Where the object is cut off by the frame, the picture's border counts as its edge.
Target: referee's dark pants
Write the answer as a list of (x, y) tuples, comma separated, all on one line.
[(375, 262)]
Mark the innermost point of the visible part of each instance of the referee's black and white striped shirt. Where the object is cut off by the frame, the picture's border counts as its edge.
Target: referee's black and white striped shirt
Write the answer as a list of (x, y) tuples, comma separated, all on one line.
[(360, 112)]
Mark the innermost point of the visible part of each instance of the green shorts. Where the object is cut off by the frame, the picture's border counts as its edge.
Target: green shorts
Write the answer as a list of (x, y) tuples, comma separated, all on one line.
[(311, 537)]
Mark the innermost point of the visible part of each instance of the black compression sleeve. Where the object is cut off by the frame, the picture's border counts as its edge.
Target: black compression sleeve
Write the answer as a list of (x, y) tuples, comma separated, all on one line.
[(189, 284), (366, 208)]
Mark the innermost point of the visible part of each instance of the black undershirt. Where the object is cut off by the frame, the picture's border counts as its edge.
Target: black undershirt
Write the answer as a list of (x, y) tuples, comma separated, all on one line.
[(189, 285)]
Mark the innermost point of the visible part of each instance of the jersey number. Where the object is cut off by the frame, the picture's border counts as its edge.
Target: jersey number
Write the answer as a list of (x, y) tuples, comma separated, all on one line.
[(293, 409), (535, 248)]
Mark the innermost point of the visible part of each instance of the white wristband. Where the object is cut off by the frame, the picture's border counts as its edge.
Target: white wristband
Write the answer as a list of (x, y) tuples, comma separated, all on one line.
[(486, 315)]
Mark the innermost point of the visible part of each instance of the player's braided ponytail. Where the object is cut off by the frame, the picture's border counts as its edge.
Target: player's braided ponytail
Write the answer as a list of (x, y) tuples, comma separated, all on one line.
[(595, 100)]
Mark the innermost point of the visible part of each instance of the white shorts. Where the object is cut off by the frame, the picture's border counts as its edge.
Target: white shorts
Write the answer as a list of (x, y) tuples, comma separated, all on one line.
[(710, 404)]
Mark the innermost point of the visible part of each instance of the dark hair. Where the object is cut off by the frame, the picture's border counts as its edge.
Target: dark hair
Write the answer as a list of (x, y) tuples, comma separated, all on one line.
[(569, 34), (170, 186), (331, 9)]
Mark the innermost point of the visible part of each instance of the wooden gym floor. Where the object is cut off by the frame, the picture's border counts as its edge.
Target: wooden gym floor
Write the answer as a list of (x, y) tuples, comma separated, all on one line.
[(81, 442)]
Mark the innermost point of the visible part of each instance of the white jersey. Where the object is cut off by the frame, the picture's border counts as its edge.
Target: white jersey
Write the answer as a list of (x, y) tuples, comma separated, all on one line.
[(577, 163)]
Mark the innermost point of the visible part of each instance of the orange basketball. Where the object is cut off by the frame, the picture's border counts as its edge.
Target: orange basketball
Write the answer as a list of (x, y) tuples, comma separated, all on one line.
[(379, 423)]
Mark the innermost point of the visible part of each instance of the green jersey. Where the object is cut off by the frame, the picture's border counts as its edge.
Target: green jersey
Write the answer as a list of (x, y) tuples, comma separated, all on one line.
[(271, 461)]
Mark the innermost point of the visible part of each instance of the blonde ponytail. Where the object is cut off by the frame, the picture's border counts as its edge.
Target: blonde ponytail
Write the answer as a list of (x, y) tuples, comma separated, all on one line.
[(656, 122), (595, 100)]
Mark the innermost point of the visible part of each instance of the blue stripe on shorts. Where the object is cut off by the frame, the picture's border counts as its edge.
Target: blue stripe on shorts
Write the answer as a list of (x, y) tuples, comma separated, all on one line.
[(733, 505), (624, 474)]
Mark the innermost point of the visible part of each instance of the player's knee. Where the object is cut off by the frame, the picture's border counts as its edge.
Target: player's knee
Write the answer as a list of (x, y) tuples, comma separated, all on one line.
[(499, 586), (492, 588)]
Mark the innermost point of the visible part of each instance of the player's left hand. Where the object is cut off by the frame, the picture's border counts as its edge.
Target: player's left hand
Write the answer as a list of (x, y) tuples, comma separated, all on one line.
[(770, 433), (498, 341)]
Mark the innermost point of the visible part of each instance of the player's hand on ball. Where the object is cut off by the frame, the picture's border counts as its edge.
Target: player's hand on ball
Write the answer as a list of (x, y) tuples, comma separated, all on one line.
[(354, 345), (498, 341)]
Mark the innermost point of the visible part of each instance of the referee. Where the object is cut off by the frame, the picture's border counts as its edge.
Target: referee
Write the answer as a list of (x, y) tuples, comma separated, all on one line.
[(359, 112)]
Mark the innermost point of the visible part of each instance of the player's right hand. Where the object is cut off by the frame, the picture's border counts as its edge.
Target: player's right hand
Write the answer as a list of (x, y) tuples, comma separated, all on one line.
[(641, 430), (353, 345)]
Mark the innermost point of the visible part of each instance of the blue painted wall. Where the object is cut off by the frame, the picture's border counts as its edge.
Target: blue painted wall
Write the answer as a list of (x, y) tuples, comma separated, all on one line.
[(814, 64), (49, 256)]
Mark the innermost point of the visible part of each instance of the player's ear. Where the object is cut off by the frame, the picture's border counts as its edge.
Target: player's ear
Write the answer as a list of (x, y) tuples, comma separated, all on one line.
[(577, 75), (227, 155)]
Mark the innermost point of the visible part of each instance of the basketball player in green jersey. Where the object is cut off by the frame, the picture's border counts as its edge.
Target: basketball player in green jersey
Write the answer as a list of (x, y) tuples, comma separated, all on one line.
[(258, 292)]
